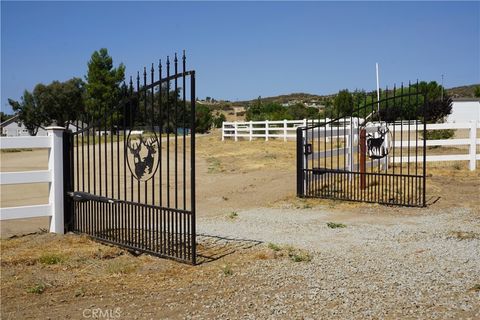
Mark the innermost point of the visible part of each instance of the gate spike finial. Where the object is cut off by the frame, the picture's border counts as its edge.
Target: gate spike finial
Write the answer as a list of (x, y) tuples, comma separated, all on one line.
[(151, 70), (184, 56), (175, 59)]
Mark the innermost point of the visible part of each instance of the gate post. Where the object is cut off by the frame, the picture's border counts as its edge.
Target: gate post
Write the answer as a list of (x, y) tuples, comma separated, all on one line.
[(68, 179), (473, 145), (55, 166), (300, 169), (363, 159)]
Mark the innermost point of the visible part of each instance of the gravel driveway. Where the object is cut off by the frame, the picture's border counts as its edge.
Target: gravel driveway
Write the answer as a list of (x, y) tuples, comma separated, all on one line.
[(414, 266)]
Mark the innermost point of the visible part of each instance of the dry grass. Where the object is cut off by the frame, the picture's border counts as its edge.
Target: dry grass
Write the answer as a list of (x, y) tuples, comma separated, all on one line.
[(243, 156)]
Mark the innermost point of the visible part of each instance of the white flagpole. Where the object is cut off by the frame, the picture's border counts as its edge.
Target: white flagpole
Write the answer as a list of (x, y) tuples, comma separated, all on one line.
[(378, 89)]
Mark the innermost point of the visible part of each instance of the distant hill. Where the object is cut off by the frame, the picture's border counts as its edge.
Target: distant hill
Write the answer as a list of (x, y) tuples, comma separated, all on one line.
[(285, 98), (463, 91)]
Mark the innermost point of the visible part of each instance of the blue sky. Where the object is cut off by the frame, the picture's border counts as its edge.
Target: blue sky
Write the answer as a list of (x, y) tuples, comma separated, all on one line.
[(241, 50)]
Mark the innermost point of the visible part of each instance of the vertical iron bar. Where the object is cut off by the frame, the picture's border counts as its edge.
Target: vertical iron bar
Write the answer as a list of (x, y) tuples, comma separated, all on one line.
[(192, 172)]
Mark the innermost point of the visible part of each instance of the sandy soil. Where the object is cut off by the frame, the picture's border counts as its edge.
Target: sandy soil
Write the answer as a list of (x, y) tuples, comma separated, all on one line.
[(275, 259)]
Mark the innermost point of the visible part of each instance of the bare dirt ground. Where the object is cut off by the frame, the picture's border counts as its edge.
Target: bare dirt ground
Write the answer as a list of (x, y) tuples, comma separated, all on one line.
[(265, 254)]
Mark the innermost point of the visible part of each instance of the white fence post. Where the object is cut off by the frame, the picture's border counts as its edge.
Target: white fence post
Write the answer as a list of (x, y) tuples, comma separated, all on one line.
[(284, 130), (250, 127), (473, 145), (235, 127), (55, 165), (266, 130), (223, 131)]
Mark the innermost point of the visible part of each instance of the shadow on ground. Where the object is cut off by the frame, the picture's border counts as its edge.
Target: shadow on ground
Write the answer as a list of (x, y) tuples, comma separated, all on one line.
[(211, 248)]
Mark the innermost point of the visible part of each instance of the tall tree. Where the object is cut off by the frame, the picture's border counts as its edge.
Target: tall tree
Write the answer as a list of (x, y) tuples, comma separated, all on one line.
[(58, 102), (103, 88), (61, 102), (30, 113), (343, 103)]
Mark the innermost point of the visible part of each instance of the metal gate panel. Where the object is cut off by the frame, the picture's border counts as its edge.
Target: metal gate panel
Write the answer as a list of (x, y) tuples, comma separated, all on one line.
[(374, 154), (132, 167)]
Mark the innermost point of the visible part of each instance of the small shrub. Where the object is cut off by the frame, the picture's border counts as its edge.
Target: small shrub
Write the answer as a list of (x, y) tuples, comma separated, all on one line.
[(297, 255), (120, 267), (227, 270), (51, 258), (39, 288), (439, 134), (274, 247), (475, 288), (300, 257), (80, 293), (233, 215), (214, 165), (457, 166), (334, 225)]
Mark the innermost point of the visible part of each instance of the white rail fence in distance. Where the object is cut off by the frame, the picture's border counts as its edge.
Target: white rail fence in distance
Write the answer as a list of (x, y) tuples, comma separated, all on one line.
[(286, 129)]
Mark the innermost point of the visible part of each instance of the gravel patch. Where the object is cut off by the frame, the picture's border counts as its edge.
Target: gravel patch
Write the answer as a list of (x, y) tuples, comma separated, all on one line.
[(424, 266)]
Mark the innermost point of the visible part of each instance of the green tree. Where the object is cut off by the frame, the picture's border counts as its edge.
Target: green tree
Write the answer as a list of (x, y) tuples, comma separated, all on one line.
[(219, 119), (29, 112), (103, 87), (204, 119), (58, 102), (4, 116), (477, 92), (61, 102), (343, 103)]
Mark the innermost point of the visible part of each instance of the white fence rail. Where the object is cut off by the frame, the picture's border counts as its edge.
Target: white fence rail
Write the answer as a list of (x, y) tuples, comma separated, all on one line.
[(286, 129), (54, 176)]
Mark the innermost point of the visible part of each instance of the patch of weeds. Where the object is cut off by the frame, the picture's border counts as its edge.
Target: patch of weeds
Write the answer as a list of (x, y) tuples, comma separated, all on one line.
[(464, 235), (298, 255), (307, 206), (80, 293), (475, 288), (51, 258), (334, 225), (120, 267), (214, 165), (274, 247), (457, 166), (39, 288), (233, 215), (261, 256), (270, 156), (227, 270)]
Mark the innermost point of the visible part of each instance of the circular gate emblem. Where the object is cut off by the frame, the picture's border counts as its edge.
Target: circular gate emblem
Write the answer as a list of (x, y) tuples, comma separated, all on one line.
[(142, 156)]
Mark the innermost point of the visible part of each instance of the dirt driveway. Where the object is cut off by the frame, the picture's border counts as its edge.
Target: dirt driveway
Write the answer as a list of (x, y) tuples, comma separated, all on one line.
[(265, 253)]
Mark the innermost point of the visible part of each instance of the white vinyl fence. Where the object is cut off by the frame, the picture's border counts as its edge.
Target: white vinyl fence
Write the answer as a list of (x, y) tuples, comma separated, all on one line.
[(286, 129), (54, 176)]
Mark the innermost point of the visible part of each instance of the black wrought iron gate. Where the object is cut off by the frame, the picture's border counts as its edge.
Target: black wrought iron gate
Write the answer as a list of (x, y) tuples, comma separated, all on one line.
[(375, 152), (131, 173)]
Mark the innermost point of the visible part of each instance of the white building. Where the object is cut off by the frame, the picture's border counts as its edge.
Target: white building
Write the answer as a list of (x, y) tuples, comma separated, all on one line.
[(464, 110), (12, 128), (15, 128)]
